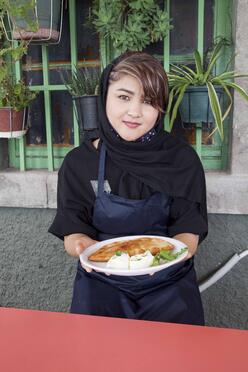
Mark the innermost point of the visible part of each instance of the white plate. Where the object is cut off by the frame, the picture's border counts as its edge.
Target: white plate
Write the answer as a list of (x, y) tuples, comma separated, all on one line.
[(102, 266)]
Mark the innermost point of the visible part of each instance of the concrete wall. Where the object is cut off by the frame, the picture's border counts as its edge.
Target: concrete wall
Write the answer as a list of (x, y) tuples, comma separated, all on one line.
[(227, 191), (36, 273)]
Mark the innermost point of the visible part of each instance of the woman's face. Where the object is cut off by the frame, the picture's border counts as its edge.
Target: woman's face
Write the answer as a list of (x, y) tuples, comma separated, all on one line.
[(129, 112)]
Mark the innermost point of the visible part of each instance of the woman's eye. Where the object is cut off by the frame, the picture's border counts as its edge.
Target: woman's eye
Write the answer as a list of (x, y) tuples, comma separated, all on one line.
[(147, 101), (124, 98)]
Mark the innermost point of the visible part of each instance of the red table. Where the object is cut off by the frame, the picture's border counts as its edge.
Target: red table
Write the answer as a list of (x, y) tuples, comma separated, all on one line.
[(35, 341)]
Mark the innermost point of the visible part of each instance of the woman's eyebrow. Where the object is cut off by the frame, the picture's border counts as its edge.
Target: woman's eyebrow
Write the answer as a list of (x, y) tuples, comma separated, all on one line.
[(126, 90)]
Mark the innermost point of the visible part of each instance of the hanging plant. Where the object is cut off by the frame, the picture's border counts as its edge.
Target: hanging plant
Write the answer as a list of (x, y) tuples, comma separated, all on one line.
[(130, 25), (188, 84), (15, 96), (33, 20)]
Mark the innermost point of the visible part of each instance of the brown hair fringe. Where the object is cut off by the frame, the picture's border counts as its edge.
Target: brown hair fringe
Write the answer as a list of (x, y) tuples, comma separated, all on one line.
[(149, 72)]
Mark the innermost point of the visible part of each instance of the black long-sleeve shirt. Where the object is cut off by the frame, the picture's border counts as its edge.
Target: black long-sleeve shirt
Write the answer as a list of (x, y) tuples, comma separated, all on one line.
[(77, 189)]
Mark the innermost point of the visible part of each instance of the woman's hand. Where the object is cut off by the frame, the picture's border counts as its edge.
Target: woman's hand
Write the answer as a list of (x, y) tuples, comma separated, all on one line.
[(81, 244), (75, 244), (191, 241)]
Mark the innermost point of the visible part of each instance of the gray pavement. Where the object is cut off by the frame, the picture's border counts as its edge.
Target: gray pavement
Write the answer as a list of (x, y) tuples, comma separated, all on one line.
[(36, 273)]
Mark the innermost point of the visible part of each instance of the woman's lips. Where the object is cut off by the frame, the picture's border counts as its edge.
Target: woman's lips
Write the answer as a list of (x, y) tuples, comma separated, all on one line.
[(131, 124)]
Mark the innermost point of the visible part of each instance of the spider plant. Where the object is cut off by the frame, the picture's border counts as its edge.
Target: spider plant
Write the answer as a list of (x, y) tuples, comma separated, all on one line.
[(181, 77), (82, 82)]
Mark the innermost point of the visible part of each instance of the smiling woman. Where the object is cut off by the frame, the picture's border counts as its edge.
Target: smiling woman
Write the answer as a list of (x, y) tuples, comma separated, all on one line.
[(139, 180)]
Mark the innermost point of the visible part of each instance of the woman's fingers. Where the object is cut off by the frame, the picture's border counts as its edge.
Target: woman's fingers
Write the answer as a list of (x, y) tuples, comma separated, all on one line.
[(189, 255), (86, 268), (79, 248)]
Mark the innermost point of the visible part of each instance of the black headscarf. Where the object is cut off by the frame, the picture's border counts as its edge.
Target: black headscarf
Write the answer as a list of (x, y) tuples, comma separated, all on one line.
[(166, 164)]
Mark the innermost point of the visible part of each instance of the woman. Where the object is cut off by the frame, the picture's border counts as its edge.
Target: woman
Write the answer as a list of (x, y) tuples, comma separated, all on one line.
[(134, 179)]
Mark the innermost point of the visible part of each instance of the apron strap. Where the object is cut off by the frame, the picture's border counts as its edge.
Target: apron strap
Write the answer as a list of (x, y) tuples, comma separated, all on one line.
[(101, 170)]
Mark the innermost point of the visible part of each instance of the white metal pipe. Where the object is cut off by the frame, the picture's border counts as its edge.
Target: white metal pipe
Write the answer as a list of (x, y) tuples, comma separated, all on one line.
[(223, 270)]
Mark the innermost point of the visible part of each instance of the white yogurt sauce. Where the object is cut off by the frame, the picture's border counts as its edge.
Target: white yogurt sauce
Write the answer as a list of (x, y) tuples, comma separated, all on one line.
[(124, 261), (120, 261), (141, 261)]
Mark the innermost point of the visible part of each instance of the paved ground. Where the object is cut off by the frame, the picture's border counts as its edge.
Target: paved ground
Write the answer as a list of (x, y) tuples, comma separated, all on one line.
[(36, 273)]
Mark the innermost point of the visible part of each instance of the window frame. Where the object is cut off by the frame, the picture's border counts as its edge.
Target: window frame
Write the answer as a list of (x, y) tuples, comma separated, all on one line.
[(49, 156)]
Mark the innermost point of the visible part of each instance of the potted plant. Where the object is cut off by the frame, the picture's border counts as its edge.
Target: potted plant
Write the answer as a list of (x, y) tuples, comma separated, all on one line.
[(35, 20), (83, 85), (14, 99), (197, 92), (14, 96), (129, 25)]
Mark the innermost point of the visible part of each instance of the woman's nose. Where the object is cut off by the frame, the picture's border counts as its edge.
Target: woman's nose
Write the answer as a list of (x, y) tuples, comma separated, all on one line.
[(134, 109)]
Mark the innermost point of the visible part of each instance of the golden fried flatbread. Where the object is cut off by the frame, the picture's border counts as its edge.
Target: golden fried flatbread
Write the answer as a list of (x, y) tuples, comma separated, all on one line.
[(132, 247)]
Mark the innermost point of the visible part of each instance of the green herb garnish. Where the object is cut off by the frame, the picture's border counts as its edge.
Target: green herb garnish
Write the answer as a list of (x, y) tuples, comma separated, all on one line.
[(166, 256)]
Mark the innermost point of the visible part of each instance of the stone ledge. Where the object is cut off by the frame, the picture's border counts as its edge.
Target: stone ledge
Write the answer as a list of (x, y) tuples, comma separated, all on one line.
[(226, 193)]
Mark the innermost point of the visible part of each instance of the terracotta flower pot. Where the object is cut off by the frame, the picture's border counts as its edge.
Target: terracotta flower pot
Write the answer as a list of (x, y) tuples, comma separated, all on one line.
[(12, 123)]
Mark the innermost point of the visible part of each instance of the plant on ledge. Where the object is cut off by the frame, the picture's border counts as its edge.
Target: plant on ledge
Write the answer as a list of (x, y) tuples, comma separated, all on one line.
[(82, 81), (15, 96), (83, 84), (186, 84)]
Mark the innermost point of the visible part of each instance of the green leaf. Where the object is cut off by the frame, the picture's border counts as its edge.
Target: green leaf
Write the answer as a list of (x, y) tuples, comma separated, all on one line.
[(216, 51), (210, 67), (215, 105), (177, 78), (198, 62), (240, 90), (215, 55), (181, 71), (178, 101), (130, 24), (227, 77), (193, 73), (220, 82), (171, 97)]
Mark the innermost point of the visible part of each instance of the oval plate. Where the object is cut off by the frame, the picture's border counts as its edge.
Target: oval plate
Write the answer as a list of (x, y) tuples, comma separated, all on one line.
[(102, 266)]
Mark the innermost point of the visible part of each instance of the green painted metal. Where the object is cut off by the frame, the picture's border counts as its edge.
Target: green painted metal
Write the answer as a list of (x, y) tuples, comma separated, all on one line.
[(36, 66), (104, 53), (166, 59), (223, 12), (41, 151), (200, 47), (36, 157), (213, 156), (47, 100), (13, 161), (48, 87), (198, 139), (73, 39), (200, 27), (21, 141)]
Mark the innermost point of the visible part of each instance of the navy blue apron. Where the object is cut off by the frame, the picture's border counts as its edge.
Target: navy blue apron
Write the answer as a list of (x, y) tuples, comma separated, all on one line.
[(170, 295)]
